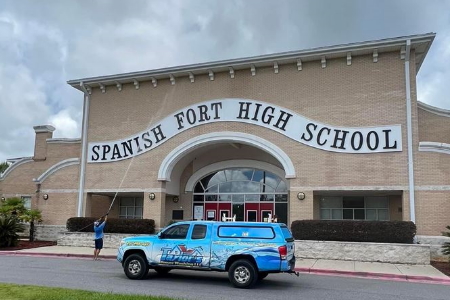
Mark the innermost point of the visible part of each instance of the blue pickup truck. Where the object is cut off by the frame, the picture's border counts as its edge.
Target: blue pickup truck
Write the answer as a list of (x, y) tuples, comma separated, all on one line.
[(247, 251)]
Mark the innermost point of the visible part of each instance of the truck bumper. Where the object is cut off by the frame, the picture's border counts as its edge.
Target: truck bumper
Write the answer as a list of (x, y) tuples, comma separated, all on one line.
[(288, 265)]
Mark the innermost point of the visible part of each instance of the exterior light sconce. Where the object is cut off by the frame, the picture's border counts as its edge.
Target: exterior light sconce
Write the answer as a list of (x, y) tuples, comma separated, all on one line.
[(301, 196), (3, 198), (152, 196), (175, 199), (45, 196)]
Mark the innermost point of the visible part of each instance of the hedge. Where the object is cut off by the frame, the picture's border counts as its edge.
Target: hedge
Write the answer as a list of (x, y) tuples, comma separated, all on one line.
[(82, 224), (354, 231)]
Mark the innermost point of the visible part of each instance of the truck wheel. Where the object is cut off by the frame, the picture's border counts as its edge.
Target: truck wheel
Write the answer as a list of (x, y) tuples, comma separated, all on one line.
[(162, 271), (242, 274), (135, 266), (262, 275)]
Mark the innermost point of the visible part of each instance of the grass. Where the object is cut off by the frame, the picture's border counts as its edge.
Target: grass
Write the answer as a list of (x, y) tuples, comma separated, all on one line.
[(31, 292)]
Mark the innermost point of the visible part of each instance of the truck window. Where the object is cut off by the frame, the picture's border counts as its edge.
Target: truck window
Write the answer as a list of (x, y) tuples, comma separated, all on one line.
[(199, 232), (287, 234), (246, 232), (176, 232)]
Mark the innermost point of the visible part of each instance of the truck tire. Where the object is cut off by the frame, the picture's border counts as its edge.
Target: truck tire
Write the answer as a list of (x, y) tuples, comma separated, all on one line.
[(242, 274), (162, 271), (135, 266)]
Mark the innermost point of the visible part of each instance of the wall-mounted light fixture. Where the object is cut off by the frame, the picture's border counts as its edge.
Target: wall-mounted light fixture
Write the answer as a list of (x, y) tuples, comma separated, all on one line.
[(301, 196), (45, 196), (3, 198), (175, 199), (152, 196)]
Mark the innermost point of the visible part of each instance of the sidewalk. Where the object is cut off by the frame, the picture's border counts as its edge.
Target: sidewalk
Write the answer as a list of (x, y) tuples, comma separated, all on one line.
[(398, 272)]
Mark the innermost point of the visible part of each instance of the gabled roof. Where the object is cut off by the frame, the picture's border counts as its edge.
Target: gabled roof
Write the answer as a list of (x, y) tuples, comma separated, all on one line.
[(420, 43)]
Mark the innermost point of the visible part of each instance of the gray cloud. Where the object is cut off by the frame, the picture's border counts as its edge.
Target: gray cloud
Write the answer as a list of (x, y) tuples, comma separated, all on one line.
[(45, 43)]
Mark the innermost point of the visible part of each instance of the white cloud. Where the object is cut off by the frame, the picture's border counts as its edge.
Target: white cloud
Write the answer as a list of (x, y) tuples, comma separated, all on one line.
[(43, 44)]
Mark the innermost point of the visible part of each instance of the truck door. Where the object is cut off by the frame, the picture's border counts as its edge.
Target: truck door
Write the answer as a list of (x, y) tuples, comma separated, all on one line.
[(170, 247), (199, 246)]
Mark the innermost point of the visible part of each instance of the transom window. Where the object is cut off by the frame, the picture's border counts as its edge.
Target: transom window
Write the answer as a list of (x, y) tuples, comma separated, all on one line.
[(241, 185), (131, 207)]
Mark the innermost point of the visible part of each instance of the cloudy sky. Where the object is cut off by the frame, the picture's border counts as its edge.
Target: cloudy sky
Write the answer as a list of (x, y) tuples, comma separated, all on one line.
[(45, 43)]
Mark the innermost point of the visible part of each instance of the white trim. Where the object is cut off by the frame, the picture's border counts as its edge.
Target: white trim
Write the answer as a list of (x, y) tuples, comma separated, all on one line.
[(43, 128), (84, 143), (56, 167), (434, 110), (412, 206), (59, 191), (63, 141), (433, 188), (349, 188), (16, 164), (126, 190), (237, 163), (434, 147), (169, 162)]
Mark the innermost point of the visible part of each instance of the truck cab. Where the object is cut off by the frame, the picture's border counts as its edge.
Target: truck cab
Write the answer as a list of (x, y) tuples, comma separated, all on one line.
[(247, 251)]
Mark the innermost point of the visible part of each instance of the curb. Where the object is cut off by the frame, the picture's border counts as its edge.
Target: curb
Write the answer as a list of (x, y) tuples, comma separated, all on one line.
[(373, 275), (71, 255)]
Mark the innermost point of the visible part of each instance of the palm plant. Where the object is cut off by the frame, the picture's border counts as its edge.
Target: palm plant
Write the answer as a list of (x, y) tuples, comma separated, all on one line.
[(9, 227), (32, 216)]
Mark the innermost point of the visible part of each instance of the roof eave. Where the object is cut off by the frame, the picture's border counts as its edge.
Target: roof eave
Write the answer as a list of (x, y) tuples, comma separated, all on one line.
[(263, 60)]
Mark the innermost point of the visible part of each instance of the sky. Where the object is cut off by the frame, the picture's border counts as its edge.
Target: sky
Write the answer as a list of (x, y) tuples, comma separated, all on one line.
[(45, 43)]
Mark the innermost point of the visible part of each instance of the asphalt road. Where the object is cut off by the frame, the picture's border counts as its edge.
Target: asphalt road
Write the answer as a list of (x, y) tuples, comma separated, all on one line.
[(108, 276)]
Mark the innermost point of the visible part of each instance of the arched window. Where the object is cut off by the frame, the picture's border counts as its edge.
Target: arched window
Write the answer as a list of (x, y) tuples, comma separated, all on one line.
[(249, 194)]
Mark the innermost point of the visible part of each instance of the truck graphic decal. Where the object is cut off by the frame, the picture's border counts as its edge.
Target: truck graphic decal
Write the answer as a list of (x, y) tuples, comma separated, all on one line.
[(180, 255)]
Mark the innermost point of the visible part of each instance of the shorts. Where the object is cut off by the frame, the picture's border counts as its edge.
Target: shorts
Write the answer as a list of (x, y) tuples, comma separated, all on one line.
[(99, 243)]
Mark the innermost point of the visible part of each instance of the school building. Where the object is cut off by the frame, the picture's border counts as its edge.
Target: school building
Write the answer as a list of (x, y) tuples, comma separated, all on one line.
[(327, 133)]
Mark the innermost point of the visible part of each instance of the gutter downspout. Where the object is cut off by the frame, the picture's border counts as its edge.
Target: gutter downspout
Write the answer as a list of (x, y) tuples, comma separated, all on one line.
[(412, 207), (86, 103)]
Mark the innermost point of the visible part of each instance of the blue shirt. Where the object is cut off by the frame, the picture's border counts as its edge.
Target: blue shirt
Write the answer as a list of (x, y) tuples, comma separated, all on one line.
[(99, 230)]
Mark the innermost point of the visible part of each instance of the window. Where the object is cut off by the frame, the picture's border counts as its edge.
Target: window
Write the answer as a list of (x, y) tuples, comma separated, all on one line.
[(354, 208), (199, 232), (246, 232), (26, 202), (177, 214), (131, 207), (176, 232)]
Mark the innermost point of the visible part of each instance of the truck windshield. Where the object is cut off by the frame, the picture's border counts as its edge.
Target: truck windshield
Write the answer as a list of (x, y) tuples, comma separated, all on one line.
[(287, 234)]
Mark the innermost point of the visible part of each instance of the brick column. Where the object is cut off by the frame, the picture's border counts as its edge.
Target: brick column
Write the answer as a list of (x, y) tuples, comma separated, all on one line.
[(155, 209)]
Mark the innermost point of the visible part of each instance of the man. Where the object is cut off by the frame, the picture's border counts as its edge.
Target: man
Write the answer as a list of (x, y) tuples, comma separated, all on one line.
[(98, 229)]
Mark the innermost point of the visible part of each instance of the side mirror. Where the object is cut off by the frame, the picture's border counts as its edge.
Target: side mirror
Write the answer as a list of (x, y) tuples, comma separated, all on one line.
[(160, 235)]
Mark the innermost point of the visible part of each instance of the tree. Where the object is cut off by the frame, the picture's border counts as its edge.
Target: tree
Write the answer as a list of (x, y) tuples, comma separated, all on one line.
[(15, 207), (3, 166), (446, 246)]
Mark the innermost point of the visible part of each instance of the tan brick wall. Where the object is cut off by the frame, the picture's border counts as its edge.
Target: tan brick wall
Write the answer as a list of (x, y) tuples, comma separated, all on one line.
[(58, 208), (432, 212), (40, 145), (433, 127)]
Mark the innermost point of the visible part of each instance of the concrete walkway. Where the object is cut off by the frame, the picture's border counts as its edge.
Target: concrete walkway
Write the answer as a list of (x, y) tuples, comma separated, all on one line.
[(400, 272)]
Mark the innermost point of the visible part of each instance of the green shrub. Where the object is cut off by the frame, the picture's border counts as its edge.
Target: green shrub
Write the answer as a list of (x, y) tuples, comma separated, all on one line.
[(446, 246), (86, 224), (9, 227), (354, 231)]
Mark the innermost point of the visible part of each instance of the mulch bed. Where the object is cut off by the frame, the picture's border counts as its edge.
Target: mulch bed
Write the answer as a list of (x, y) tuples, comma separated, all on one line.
[(444, 267), (29, 245)]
